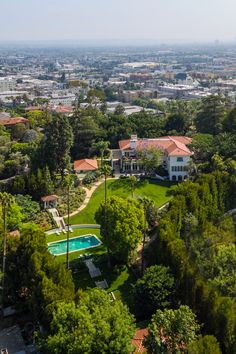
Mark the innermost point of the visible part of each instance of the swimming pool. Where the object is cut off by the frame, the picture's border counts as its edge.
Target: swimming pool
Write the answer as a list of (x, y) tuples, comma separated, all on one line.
[(75, 244)]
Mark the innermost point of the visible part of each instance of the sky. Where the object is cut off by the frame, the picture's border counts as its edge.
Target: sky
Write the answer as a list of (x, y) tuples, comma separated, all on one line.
[(124, 20)]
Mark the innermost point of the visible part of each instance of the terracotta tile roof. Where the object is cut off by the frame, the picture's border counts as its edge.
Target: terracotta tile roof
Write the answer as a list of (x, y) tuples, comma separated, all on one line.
[(63, 109), (137, 341), (171, 145), (49, 198), (12, 121), (85, 165)]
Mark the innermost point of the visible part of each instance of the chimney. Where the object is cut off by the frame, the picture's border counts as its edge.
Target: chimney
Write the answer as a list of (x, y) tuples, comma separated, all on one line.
[(133, 141)]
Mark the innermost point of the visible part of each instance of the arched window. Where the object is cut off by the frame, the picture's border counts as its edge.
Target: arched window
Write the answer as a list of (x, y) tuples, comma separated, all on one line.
[(174, 178), (180, 178)]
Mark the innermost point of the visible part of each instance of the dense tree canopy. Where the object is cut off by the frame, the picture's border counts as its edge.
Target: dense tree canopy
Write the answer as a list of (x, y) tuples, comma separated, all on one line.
[(204, 345), (171, 331), (57, 144), (34, 278), (196, 240), (153, 290), (122, 223), (93, 325), (210, 118)]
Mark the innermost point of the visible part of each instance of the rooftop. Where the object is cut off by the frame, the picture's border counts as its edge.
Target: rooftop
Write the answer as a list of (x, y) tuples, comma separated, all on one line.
[(85, 165), (172, 145), (12, 121), (49, 198)]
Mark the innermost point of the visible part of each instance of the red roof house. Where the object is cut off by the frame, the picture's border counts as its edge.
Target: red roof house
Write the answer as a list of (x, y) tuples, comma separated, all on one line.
[(138, 339), (85, 165), (12, 121), (172, 145)]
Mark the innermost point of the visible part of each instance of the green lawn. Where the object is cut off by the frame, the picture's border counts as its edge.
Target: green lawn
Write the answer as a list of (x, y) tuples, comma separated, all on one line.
[(119, 279), (160, 192)]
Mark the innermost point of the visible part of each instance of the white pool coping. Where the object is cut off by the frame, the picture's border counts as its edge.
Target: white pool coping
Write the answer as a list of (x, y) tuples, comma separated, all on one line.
[(72, 238)]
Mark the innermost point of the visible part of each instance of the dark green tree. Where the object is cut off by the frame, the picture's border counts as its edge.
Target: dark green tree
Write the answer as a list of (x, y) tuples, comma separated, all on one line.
[(154, 290), (230, 121), (86, 129), (123, 220), (57, 144), (210, 118), (171, 331), (93, 325), (177, 122), (204, 345)]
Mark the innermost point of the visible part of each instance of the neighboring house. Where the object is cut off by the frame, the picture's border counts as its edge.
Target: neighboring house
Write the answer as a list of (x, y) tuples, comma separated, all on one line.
[(67, 99), (66, 110), (138, 339), (12, 121), (85, 165), (175, 157)]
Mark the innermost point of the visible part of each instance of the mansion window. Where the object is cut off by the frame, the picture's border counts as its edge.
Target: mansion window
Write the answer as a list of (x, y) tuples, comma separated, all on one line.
[(127, 166), (179, 168), (180, 159)]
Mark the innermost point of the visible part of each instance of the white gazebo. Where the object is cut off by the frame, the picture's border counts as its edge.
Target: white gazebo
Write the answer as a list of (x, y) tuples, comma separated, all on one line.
[(49, 201)]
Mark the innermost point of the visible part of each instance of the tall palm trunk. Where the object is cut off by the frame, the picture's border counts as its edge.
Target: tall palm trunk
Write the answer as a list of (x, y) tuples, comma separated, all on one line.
[(68, 226), (105, 217), (4, 245)]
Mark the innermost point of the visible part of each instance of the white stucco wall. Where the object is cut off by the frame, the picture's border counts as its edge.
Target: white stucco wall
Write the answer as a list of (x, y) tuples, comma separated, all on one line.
[(172, 162)]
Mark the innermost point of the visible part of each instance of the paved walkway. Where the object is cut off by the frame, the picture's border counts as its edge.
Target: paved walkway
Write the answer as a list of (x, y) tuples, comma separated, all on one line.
[(89, 193)]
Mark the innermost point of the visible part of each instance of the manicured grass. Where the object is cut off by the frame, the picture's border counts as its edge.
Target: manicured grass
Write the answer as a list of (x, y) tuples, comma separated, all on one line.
[(119, 280), (78, 232), (160, 192)]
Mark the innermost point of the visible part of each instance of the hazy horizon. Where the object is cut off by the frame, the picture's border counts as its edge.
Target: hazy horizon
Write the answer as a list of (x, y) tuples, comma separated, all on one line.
[(155, 21)]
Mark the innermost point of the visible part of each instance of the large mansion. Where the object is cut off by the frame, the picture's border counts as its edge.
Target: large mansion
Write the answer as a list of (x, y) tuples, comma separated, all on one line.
[(175, 155)]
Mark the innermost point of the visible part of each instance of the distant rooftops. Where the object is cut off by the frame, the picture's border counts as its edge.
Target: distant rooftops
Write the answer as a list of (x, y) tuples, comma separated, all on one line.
[(12, 121)]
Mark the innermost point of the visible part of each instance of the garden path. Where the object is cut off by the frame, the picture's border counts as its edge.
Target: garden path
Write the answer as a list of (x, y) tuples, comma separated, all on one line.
[(89, 193)]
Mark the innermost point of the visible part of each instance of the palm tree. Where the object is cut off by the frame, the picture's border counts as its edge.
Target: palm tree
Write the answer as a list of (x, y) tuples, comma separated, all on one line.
[(133, 184), (68, 183), (145, 203), (106, 170), (6, 201), (101, 146)]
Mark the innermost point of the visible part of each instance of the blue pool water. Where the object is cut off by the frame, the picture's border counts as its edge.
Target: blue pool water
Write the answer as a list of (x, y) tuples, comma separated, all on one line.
[(75, 244)]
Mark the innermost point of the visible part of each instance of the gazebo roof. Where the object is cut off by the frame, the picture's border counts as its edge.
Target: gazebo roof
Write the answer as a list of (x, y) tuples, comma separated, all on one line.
[(49, 198)]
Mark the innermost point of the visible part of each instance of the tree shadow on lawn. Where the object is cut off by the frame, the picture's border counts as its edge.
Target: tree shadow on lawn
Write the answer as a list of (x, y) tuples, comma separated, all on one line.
[(126, 291), (118, 184), (125, 184), (82, 279), (119, 278)]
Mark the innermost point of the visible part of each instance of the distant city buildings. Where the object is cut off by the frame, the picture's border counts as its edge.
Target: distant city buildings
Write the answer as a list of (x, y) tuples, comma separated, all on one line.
[(64, 77)]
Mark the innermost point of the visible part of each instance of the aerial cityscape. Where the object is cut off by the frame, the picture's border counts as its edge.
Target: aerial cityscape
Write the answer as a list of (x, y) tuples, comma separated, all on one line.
[(118, 177)]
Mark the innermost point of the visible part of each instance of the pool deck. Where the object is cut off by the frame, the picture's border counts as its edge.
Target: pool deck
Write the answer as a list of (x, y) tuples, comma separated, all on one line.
[(73, 238)]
